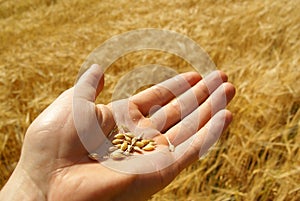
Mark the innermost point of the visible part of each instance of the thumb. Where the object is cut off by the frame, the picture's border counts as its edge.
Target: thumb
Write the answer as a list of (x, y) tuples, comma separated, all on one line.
[(90, 83), (85, 112)]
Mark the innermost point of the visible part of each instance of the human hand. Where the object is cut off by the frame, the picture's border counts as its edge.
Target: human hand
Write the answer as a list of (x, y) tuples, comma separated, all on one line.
[(54, 164)]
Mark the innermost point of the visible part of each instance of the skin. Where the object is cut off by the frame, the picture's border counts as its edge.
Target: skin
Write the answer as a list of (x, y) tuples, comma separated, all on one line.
[(54, 164)]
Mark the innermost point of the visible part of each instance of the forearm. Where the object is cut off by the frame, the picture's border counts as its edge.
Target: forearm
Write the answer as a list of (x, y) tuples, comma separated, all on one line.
[(20, 187)]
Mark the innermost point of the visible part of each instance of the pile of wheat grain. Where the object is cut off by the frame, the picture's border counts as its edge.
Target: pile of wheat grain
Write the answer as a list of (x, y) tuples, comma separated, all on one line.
[(44, 42)]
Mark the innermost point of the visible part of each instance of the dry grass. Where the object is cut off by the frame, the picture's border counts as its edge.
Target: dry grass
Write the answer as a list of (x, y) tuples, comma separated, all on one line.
[(44, 42)]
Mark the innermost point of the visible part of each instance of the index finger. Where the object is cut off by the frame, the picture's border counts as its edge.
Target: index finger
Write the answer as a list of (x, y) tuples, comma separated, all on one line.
[(164, 92)]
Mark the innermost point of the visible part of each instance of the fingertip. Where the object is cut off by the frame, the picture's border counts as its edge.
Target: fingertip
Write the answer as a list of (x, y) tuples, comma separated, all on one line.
[(220, 121), (228, 117), (192, 77), (230, 91), (223, 76), (96, 71)]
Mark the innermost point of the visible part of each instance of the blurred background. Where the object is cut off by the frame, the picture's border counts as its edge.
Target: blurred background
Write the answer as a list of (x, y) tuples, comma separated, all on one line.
[(257, 43)]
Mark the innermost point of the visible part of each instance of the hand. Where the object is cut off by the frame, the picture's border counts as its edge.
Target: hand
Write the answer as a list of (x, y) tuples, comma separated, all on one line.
[(54, 163)]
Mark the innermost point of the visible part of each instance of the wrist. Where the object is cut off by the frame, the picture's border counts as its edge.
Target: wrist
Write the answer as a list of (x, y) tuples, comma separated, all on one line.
[(20, 186)]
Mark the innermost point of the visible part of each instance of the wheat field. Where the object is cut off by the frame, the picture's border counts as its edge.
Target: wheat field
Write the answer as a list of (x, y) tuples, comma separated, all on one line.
[(257, 43)]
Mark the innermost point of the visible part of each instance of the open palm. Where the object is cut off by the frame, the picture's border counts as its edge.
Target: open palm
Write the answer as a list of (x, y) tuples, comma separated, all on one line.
[(187, 110)]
